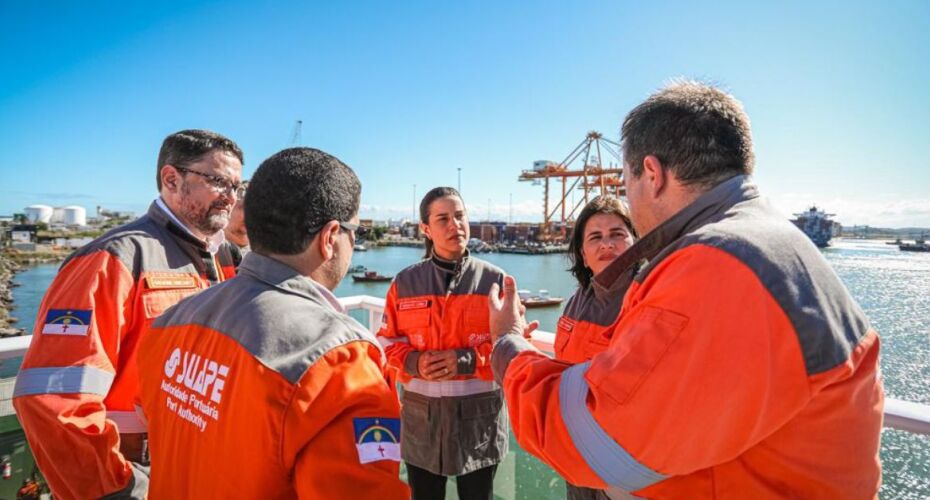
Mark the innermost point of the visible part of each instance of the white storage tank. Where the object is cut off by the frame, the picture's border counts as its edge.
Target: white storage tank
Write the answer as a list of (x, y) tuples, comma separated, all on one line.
[(58, 216), (74, 215), (39, 213)]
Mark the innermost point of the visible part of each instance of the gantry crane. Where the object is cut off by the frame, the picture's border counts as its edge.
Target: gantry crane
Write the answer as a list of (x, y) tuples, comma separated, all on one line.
[(296, 133), (591, 176)]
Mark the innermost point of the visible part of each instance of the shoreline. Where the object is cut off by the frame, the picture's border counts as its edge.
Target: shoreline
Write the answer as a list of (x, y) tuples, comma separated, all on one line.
[(11, 263)]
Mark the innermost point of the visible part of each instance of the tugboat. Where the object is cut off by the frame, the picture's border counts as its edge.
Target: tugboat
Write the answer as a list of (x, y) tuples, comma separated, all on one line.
[(370, 277), (919, 245), (541, 300), (817, 225)]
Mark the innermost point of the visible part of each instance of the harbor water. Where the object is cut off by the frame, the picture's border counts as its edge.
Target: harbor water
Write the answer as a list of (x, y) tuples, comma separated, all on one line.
[(893, 288)]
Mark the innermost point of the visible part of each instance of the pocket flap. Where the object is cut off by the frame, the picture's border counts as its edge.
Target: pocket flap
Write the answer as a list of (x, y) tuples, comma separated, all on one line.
[(155, 302), (633, 355), (412, 319), (489, 405)]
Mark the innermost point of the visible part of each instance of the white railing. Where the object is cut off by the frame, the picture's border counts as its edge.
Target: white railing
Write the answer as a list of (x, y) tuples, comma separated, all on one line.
[(899, 414)]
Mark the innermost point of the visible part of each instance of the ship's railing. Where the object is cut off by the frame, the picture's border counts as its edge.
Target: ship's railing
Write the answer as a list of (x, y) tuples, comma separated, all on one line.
[(899, 414)]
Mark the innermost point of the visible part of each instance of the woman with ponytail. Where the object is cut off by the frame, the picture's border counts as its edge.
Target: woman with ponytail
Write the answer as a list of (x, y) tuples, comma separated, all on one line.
[(438, 345)]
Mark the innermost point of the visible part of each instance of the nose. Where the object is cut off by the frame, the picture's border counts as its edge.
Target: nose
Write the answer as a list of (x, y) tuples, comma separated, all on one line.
[(229, 196)]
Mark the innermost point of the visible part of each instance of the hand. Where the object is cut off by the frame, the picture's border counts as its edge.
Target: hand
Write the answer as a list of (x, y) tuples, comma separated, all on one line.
[(531, 327), (438, 365), (504, 311)]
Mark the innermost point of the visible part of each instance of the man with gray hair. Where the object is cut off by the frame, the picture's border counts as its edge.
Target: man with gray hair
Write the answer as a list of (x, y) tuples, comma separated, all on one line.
[(739, 367)]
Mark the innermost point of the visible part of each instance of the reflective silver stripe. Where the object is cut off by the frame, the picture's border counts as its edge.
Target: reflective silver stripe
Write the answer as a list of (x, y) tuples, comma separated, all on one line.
[(389, 341), (445, 388), (606, 458), (127, 422), (63, 380)]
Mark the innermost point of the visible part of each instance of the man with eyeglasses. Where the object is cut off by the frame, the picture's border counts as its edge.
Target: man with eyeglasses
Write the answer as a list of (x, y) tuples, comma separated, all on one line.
[(75, 393), (270, 362)]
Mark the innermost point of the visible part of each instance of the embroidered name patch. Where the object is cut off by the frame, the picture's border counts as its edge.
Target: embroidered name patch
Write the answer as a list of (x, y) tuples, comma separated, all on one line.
[(162, 281), (377, 439), (566, 324), (67, 322), (412, 304)]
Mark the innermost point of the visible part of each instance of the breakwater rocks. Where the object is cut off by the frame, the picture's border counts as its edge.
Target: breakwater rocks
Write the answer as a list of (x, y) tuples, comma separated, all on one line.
[(12, 262), (7, 269)]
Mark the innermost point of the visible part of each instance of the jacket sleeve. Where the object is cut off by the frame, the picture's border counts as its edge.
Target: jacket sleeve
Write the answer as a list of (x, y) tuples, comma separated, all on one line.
[(649, 407), (67, 373), (342, 430), (401, 356)]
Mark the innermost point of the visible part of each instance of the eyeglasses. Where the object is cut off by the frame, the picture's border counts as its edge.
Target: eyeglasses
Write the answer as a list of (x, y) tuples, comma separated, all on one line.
[(219, 184), (346, 226)]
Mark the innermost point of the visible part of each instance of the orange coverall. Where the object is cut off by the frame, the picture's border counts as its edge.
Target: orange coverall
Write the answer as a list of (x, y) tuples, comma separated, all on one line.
[(740, 367), (262, 388), (75, 391)]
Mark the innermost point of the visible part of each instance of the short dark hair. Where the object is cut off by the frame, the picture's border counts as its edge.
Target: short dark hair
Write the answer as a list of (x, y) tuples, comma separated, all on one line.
[(697, 131), (431, 196), (180, 149), (293, 192), (600, 205)]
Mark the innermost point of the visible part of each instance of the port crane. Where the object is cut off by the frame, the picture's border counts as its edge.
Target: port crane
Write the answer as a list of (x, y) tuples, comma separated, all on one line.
[(589, 177), (296, 133)]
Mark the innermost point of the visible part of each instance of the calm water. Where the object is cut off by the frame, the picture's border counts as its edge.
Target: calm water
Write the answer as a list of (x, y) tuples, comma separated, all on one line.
[(893, 288)]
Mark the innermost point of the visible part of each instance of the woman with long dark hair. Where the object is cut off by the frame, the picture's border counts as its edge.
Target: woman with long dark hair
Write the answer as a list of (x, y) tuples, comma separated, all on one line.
[(438, 345), (602, 232)]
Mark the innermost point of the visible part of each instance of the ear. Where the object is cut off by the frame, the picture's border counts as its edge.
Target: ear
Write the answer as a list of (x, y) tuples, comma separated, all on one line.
[(655, 174), (170, 178), (326, 240), (425, 230)]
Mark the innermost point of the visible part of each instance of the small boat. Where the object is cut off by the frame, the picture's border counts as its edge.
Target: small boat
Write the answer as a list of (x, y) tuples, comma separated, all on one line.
[(370, 277), (895, 242), (357, 269), (542, 299), (360, 248), (919, 245)]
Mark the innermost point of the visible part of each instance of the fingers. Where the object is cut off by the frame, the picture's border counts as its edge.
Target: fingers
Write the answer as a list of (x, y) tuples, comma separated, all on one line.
[(530, 328), (439, 365), (494, 301), (510, 290)]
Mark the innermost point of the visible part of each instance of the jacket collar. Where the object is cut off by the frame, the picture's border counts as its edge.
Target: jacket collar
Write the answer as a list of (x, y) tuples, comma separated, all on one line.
[(701, 211), (449, 266), (288, 280)]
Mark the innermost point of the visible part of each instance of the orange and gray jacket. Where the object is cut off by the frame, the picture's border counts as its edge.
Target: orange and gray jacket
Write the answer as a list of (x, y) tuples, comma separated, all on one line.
[(740, 367), (584, 328), (432, 306), (75, 391), (260, 388)]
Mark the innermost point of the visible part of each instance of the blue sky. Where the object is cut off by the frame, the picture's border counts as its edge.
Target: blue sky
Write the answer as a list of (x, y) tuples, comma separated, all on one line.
[(407, 92)]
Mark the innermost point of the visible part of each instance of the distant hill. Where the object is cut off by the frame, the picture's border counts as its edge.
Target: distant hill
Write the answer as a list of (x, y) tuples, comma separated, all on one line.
[(905, 233)]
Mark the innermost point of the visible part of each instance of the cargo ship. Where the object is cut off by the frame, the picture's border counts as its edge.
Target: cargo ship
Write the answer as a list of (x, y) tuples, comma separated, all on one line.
[(817, 225)]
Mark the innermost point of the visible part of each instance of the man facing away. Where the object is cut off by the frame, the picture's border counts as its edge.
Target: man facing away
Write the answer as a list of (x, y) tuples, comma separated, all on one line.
[(740, 367), (262, 387), (75, 392)]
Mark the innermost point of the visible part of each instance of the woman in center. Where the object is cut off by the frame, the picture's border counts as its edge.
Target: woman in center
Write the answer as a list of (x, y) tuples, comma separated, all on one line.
[(437, 339)]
